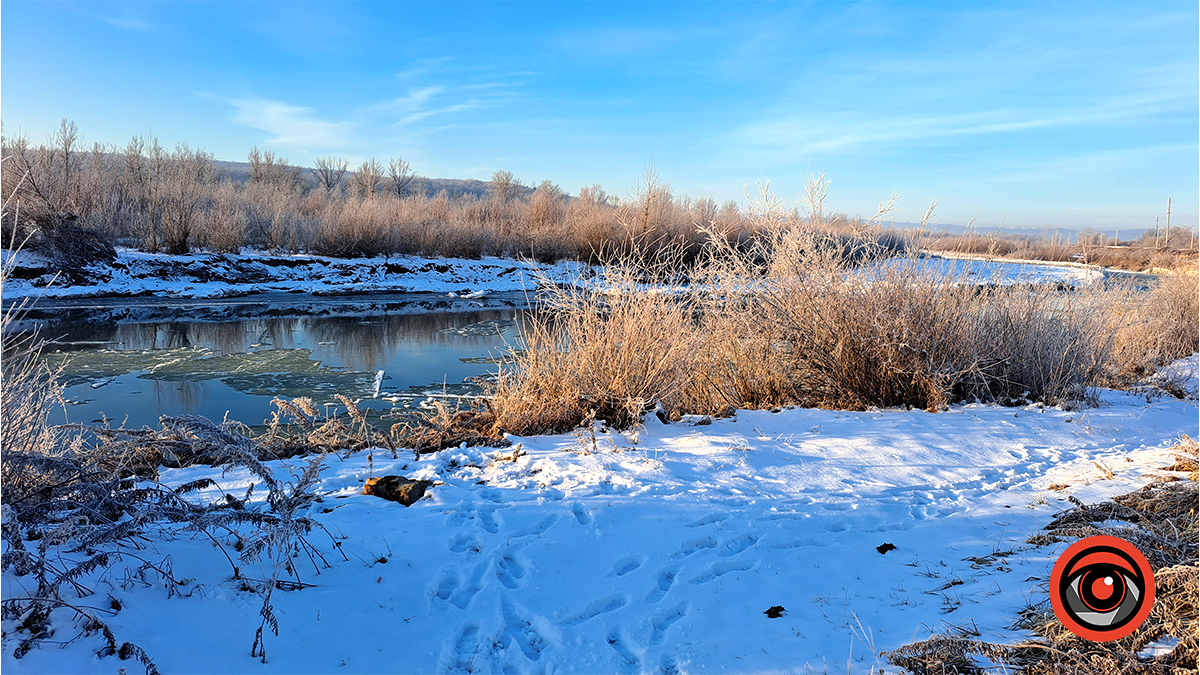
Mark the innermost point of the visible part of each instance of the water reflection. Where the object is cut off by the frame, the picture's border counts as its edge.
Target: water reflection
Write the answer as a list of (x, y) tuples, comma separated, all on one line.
[(132, 361)]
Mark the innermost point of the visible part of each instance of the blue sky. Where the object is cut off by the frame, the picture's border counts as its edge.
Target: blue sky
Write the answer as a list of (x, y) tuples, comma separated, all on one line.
[(1042, 114)]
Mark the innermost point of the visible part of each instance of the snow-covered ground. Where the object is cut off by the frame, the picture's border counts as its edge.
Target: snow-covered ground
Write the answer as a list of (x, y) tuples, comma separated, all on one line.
[(204, 275), (658, 550), (210, 276)]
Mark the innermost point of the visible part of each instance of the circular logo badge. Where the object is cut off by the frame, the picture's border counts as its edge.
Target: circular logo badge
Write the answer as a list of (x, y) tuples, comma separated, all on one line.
[(1102, 588)]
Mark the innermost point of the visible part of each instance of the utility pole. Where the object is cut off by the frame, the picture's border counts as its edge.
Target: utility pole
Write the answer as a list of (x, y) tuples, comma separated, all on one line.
[(1167, 238), (1156, 233)]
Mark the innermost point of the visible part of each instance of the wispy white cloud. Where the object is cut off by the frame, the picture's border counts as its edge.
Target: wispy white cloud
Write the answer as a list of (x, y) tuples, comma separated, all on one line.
[(627, 41), (457, 107), (292, 126), (852, 132), (128, 22), (414, 100)]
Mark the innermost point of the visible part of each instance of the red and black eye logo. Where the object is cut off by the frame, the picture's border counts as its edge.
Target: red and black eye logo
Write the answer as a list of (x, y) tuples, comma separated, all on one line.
[(1102, 588)]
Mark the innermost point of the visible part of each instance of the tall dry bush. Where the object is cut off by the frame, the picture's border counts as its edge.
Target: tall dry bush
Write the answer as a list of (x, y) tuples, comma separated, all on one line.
[(800, 316), (609, 351), (1153, 329), (223, 227)]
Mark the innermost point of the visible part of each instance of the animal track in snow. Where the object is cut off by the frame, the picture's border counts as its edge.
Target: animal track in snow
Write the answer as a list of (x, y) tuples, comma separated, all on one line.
[(581, 514), (710, 519), (536, 530), (691, 546), (484, 515), (668, 666), (509, 568), (462, 651), (719, 569), (518, 627), (734, 546), (626, 565), (464, 542), (596, 608), (665, 620), (444, 583), (488, 519), (474, 584)]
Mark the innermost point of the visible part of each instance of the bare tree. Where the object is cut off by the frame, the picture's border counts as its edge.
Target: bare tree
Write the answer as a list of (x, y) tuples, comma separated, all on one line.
[(816, 191), (46, 170), (547, 206), (188, 188), (503, 186), (64, 145), (368, 178), (146, 164), (649, 205), (268, 169), (401, 175), (329, 172)]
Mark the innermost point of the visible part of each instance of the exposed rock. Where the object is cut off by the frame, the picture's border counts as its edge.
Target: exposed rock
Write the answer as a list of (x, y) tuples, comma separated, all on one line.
[(396, 489)]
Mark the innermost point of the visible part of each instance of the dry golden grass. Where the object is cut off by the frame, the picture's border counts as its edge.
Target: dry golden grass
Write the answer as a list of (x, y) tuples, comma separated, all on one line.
[(608, 353), (1151, 330)]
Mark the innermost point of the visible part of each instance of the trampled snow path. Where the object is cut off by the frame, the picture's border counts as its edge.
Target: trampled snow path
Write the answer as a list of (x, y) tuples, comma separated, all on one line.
[(658, 551)]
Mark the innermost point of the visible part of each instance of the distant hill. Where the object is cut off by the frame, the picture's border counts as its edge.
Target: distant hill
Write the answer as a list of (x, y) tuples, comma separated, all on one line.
[(239, 172)]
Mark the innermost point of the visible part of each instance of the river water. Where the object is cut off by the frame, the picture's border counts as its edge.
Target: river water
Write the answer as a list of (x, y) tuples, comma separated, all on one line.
[(130, 360)]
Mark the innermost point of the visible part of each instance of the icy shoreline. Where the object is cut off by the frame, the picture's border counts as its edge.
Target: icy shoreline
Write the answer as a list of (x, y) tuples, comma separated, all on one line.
[(213, 275)]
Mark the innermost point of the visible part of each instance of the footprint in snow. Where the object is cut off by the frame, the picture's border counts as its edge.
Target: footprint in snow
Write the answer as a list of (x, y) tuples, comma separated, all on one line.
[(464, 542), (669, 666), (691, 546), (596, 608), (582, 516), (626, 565), (734, 546), (462, 650), (444, 584), (484, 515), (720, 569), (510, 569), (665, 620), (710, 519), (488, 519), (519, 627), (662, 583), (462, 599), (536, 530), (627, 659)]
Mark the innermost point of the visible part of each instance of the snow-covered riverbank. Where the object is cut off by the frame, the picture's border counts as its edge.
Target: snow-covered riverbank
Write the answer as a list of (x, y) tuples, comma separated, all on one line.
[(658, 550), (204, 275), (214, 276)]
